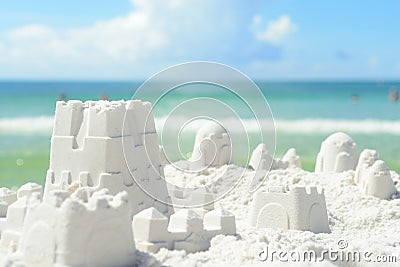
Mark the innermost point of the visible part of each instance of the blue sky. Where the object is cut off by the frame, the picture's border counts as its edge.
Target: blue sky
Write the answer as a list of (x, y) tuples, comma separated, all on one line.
[(124, 40)]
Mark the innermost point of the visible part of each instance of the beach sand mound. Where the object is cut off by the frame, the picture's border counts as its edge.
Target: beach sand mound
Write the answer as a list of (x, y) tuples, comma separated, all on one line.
[(359, 223)]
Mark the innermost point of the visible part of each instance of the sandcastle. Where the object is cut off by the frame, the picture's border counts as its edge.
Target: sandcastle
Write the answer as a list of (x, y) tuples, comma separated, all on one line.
[(104, 145), (373, 176), (338, 153), (85, 228), (378, 182), (367, 158), (212, 147), (261, 159), (105, 157), (292, 158), (298, 208)]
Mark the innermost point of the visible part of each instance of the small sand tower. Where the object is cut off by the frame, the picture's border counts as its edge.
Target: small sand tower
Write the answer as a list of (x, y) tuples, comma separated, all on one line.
[(292, 158), (338, 153), (261, 159), (212, 147), (378, 182), (366, 160)]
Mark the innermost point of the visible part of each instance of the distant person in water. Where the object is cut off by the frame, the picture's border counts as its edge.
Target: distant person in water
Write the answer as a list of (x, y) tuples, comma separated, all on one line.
[(62, 97), (394, 94), (104, 97), (354, 98)]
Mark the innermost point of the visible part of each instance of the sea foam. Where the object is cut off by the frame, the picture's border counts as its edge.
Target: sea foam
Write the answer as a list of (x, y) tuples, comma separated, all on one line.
[(26, 125), (303, 126), (44, 124)]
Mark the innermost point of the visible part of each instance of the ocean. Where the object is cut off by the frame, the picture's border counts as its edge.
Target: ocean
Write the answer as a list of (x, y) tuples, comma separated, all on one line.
[(305, 113)]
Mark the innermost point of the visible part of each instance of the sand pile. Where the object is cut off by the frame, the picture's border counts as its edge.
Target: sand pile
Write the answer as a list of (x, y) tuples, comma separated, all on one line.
[(360, 222)]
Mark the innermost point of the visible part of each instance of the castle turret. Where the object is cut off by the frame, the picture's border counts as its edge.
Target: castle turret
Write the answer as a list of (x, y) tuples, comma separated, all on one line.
[(212, 147), (261, 159), (338, 153), (111, 145), (367, 158), (296, 208), (378, 182), (292, 158)]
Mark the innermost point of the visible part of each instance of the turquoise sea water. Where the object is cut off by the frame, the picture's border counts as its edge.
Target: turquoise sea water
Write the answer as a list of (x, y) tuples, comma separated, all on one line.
[(304, 112)]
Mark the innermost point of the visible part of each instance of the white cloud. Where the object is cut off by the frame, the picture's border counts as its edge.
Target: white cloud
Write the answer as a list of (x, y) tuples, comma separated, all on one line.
[(152, 35), (131, 37), (31, 32), (277, 30), (40, 50)]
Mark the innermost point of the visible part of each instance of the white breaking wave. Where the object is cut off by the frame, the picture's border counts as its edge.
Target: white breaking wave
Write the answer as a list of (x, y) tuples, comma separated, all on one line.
[(312, 126), (308, 126), (26, 125), (44, 125)]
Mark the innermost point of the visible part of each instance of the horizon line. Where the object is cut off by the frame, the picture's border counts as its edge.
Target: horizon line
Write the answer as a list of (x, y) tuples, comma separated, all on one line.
[(137, 80)]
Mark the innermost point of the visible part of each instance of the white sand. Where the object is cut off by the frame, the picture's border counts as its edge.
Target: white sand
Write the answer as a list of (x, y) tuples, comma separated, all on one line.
[(366, 223)]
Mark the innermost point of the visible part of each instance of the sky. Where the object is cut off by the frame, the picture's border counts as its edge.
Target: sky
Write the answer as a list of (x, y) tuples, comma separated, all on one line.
[(134, 39)]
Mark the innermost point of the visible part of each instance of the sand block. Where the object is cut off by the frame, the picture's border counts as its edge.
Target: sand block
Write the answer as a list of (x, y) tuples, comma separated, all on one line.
[(298, 208), (220, 220), (185, 230), (338, 153), (150, 225), (378, 181), (185, 220), (212, 147)]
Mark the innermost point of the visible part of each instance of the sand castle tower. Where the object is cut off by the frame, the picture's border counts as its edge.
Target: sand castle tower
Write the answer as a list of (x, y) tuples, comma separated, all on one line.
[(109, 145), (366, 160), (260, 158), (212, 147), (298, 208), (338, 153), (292, 158), (378, 181), (373, 176)]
